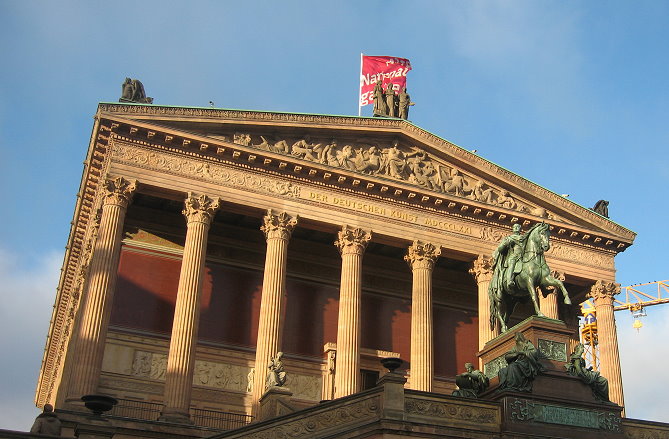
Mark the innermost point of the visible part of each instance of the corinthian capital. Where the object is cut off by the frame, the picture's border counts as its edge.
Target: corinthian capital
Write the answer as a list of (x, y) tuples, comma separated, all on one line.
[(422, 255), (352, 240), (482, 269), (278, 226), (200, 208), (118, 191), (604, 291)]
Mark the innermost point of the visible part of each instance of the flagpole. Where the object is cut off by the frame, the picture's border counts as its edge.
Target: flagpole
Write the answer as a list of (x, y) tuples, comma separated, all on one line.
[(360, 89)]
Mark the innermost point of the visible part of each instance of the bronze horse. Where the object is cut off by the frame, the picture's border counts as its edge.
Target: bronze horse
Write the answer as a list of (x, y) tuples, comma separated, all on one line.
[(534, 273)]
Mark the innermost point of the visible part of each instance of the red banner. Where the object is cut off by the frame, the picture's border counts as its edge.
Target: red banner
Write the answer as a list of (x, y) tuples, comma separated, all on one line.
[(383, 69)]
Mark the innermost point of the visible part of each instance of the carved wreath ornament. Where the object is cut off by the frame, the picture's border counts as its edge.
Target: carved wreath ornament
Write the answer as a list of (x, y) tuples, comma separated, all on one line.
[(414, 166)]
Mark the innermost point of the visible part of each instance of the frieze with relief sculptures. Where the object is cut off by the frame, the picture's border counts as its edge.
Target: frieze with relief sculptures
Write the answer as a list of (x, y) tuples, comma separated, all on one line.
[(412, 165)]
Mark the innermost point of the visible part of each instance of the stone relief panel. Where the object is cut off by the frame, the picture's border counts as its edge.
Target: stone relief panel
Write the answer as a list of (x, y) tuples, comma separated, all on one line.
[(226, 376), (411, 165), (553, 350), (445, 411)]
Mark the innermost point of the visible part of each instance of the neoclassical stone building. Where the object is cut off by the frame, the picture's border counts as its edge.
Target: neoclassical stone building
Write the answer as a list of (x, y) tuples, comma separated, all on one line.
[(205, 241)]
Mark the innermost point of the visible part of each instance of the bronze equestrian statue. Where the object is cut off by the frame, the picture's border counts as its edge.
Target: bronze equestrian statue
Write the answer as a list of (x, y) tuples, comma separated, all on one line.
[(519, 268)]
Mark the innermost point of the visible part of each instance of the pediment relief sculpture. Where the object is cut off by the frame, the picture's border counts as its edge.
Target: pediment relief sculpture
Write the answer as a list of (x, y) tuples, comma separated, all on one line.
[(412, 165)]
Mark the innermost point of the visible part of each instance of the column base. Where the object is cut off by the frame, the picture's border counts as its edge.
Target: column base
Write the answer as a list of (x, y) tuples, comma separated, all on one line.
[(175, 416)]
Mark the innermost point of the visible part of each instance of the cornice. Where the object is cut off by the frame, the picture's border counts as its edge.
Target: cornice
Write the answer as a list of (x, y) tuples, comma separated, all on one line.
[(392, 126), (376, 187)]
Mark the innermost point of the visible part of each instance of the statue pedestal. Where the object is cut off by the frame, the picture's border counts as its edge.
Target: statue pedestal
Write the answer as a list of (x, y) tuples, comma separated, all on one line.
[(561, 404), (548, 335), (275, 402)]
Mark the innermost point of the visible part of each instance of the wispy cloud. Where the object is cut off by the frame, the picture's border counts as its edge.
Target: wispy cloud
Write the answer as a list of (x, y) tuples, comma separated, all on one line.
[(27, 299)]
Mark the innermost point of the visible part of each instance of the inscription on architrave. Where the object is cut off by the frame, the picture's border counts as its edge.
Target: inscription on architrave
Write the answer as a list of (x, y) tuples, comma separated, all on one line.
[(525, 411), (553, 350), (492, 367), (348, 203)]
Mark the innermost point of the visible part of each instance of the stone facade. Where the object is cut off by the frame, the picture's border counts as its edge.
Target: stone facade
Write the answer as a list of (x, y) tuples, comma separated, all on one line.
[(187, 313)]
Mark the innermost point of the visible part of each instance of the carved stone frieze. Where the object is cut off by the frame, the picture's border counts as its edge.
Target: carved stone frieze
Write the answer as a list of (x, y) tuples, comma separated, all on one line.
[(604, 291), (644, 432), (225, 376), (482, 269), (352, 240), (310, 426), (278, 226), (422, 255), (205, 171), (569, 253), (200, 208), (444, 411)]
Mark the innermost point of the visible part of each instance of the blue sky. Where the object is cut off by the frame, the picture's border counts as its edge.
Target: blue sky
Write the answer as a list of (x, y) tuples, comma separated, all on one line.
[(571, 95)]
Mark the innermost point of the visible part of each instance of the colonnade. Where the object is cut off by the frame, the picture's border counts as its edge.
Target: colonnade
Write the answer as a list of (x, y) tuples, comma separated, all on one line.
[(351, 242)]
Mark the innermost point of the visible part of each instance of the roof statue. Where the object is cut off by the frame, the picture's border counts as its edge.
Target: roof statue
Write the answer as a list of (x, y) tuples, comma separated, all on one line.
[(132, 90), (519, 268), (602, 208), (387, 103)]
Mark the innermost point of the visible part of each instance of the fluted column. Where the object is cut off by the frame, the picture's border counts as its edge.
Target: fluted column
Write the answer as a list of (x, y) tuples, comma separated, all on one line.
[(277, 229), (421, 259), (351, 244), (609, 356), (549, 304), (482, 272), (199, 211), (99, 294)]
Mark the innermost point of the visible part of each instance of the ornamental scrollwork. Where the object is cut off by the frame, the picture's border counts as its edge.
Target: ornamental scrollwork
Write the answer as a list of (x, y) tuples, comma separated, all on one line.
[(445, 410), (204, 171)]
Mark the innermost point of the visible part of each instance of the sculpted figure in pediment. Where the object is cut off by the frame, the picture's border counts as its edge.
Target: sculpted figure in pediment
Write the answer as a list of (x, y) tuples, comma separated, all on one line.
[(242, 139), (368, 161), (279, 146), (481, 193), (457, 184), (506, 200), (422, 171), (394, 161), (305, 150)]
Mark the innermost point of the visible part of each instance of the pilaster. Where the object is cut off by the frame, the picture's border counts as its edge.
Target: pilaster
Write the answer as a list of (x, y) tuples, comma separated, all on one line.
[(351, 243), (421, 257)]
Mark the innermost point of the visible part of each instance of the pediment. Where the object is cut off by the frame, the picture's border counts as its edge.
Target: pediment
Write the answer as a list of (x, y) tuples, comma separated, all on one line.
[(383, 158)]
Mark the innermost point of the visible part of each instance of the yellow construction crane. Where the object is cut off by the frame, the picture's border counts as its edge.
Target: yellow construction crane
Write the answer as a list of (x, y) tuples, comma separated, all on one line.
[(634, 298)]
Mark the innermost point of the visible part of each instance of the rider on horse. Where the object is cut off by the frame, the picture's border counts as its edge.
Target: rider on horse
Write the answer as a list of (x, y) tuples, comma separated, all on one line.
[(511, 252)]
